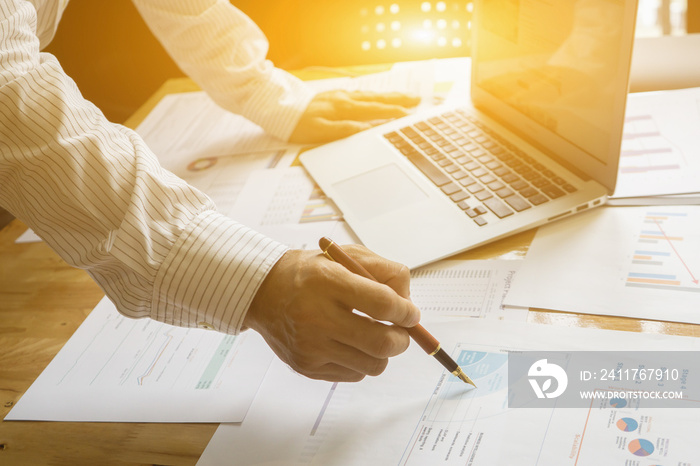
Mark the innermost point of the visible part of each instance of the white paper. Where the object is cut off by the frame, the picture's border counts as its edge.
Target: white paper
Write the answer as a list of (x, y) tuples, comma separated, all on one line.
[(417, 414), (287, 206), (641, 262), (28, 237), (660, 148), (116, 369), (457, 289), (189, 127)]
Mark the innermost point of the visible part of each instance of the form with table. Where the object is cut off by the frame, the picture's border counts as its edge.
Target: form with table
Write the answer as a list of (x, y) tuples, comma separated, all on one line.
[(43, 302)]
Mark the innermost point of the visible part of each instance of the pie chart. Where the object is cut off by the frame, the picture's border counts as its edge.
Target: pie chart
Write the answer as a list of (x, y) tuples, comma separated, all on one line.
[(627, 424), (641, 447), (618, 402)]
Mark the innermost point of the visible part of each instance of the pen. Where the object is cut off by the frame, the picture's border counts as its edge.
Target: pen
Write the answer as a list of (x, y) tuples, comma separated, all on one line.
[(419, 334)]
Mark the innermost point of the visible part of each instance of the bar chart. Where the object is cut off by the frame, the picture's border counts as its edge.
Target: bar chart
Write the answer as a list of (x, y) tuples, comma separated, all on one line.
[(665, 257), (659, 152), (645, 148)]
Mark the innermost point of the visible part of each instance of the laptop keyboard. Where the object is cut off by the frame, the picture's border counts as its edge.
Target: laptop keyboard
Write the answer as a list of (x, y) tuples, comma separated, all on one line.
[(476, 168)]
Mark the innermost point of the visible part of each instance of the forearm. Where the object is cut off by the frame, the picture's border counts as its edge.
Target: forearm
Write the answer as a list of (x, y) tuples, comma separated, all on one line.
[(97, 195), (225, 53)]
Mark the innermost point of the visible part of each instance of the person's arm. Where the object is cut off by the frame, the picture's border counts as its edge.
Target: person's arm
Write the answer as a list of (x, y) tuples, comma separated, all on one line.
[(222, 50), (98, 196)]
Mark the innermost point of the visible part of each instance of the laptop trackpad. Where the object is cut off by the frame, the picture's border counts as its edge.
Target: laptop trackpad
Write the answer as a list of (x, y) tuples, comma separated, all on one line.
[(379, 191)]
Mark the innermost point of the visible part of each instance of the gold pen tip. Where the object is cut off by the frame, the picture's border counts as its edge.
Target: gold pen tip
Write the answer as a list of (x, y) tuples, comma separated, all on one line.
[(464, 377)]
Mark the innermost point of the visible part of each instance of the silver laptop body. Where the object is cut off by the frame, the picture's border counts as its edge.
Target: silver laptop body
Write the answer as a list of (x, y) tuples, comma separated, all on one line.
[(540, 139)]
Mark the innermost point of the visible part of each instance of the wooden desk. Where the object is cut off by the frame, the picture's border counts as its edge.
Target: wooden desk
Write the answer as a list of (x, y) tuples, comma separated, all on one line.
[(43, 301)]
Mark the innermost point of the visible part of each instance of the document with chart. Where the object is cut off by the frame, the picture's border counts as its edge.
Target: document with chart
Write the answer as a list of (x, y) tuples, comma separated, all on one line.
[(116, 369), (452, 289), (417, 414), (660, 153), (641, 262)]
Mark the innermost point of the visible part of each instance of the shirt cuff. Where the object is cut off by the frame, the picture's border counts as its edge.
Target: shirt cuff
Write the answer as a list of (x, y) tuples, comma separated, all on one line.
[(212, 273)]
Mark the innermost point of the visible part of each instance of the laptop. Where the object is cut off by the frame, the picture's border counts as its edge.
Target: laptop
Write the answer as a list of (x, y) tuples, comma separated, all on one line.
[(538, 141)]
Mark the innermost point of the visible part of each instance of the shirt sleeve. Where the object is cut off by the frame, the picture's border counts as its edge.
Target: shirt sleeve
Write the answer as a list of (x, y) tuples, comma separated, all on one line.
[(96, 194), (222, 50)]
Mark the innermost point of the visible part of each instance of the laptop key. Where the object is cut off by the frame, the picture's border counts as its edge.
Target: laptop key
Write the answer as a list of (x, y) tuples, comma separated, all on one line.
[(553, 192), (517, 203), (471, 212), (463, 205), (450, 189), (527, 192), (481, 221), (502, 171), (518, 184), (541, 183), (468, 181), (510, 178), (498, 208), (480, 210), (538, 199), (483, 195), (428, 169), (459, 196), (568, 188), (488, 178), (494, 186), (472, 165), (459, 174), (504, 192), (475, 188)]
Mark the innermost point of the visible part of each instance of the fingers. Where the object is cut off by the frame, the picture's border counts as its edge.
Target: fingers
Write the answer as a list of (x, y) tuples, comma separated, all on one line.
[(375, 340), (330, 130), (395, 275), (349, 109), (377, 300), (364, 355), (393, 98), (334, 115)]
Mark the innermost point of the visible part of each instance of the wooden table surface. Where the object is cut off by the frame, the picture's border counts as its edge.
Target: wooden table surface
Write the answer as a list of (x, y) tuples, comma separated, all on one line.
[(43, 301)]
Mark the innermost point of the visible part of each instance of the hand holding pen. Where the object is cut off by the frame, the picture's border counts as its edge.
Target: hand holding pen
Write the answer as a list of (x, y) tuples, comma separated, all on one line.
[(304, 310), (421, 336)]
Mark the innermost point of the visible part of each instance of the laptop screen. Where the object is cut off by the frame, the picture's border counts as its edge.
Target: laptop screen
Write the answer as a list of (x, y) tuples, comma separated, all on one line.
[(557, 71)]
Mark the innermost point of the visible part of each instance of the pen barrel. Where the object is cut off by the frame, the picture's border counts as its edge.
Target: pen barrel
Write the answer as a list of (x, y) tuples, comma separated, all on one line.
[(424, 339)]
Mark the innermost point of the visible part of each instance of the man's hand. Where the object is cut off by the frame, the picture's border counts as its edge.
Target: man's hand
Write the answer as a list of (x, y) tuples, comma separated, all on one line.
[(333, 115), (304, 310)]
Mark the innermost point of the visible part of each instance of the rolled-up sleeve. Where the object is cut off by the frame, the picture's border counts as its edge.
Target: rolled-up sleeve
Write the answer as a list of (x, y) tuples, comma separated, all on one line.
[(225, 53), (97, 195)]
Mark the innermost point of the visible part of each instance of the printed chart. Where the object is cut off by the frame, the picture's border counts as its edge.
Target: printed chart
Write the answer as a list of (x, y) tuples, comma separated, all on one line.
[(120, 369), (665, 259), (452, 288), (641, 262), (417, 414), (645, 149), (660, 154)]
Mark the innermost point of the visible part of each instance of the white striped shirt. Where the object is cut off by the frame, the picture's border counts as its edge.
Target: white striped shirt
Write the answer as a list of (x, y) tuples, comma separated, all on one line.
[(95, 192)]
